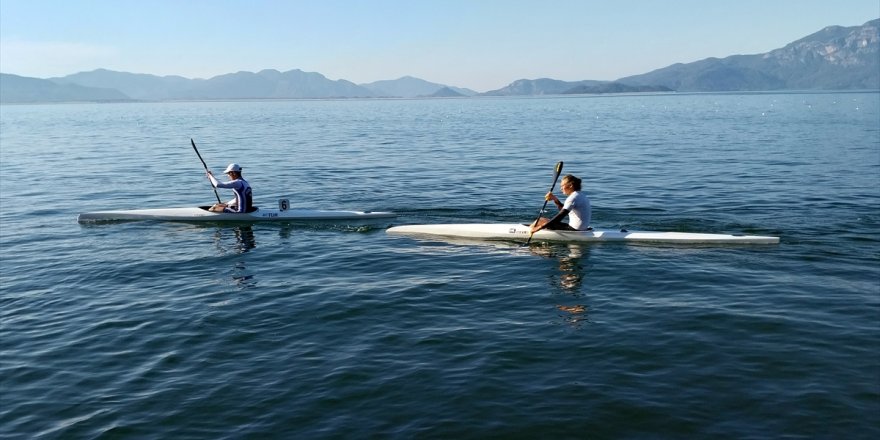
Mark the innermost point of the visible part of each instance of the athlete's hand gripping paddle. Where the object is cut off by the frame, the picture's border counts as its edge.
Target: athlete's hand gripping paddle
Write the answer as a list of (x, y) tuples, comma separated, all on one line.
[(552, 187)]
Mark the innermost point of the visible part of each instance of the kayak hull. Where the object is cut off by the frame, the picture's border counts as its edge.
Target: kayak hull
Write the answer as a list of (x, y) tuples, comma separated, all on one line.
[(201, 214), (519, 232)]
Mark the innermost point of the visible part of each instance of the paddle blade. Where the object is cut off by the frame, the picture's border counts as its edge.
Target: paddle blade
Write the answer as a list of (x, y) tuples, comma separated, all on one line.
[(556, 176)]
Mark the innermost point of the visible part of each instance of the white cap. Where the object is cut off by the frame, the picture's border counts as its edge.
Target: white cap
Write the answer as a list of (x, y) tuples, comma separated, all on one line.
[(233, 167)]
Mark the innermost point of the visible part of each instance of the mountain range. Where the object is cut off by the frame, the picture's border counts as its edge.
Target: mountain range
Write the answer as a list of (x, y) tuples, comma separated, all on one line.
[(834, 58)]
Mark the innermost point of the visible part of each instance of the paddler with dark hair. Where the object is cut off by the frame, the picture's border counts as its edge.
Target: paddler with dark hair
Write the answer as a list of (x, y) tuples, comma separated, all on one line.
[(576, 208), (243, 201)]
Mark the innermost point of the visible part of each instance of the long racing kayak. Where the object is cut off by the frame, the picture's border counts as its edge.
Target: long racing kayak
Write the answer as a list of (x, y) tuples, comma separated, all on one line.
[(519, 232), (201, 214)]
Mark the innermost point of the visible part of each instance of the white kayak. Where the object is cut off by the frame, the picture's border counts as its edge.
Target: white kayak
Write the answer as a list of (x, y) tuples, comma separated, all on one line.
[(201, 214), (518, 232)]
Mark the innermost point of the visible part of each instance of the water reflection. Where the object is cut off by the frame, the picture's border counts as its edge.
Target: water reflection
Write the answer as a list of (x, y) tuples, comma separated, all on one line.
[(568, 280), (244, 238), (241, 277), (243, 241)]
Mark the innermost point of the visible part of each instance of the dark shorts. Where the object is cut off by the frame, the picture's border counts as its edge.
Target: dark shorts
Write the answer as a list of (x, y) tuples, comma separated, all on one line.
[(565, 227), (561, 227)]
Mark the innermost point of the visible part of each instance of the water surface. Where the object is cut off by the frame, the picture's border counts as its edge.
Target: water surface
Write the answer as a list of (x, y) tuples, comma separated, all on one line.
[(160, 330)]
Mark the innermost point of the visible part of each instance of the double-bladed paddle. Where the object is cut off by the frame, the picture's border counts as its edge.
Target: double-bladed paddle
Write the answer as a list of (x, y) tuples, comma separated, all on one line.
[(206, 168), (552, 187)]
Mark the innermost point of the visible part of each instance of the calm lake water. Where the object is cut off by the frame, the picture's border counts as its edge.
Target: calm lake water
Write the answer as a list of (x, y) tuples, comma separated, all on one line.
[(335, 330)]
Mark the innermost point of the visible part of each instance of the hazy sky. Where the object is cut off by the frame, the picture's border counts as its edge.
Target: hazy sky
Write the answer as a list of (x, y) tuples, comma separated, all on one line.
[(479, 44)]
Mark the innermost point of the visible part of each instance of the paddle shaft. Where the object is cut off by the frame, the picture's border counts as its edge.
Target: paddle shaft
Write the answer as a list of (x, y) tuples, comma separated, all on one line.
[(206, 169), (552, 187)]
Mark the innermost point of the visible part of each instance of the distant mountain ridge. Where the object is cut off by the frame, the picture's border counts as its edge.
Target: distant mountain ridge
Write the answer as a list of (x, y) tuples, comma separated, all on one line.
[(547, 86), (541, 86), (409, 87), (615, 87), (136, 86), (446, 92), (14, 88), (835, 58), (265, 84)]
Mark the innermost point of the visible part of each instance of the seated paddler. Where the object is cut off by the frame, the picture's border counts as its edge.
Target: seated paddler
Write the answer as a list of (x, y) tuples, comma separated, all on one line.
[(243, 201)]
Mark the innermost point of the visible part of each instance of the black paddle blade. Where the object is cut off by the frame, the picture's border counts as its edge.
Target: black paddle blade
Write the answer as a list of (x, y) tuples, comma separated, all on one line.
[(556, 176)]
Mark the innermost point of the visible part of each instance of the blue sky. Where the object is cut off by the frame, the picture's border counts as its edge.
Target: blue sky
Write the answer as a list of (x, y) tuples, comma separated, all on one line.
[(479, 44)]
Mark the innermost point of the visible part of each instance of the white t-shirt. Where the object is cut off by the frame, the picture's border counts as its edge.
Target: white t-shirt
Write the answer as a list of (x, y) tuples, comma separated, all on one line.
[(579, 211)]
